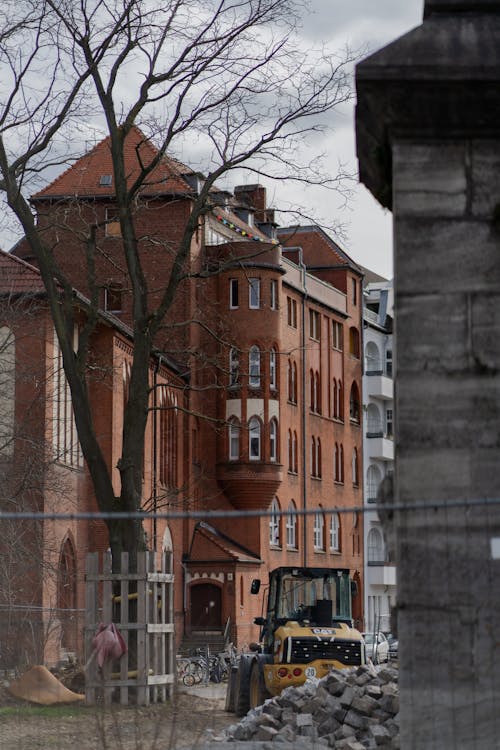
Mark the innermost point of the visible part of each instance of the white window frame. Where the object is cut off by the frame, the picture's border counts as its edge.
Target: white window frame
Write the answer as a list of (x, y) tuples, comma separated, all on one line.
[(254, 374), (272, 370), (254, 437), (274, 524), (254, 293), (319, 531), (273, 440), (234, 366), (291, 526), (234, 440), (273, 291), (335, 532)]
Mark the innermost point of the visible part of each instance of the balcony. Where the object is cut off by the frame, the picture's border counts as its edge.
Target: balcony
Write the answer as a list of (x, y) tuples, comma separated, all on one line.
[(380, 574), (378, 385), (250, 485), (380, 447)]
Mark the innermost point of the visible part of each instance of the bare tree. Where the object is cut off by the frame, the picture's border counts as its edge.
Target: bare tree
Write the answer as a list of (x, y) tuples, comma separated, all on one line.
[(230, 75)]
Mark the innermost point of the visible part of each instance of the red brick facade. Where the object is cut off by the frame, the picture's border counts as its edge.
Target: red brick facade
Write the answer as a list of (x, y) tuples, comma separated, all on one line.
[(268, 378)]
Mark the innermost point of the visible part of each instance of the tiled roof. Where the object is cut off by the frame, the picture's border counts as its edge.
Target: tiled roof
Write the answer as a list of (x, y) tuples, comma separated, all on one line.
[(89, 176), (228, 546), (307, 237), (18, 277)]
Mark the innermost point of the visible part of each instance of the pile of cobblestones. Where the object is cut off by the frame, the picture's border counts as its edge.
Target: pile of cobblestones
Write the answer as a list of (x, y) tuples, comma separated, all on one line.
[(352, 709)]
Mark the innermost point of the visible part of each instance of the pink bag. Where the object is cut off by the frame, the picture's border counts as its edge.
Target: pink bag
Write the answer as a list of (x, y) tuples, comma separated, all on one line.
[(108, 643)]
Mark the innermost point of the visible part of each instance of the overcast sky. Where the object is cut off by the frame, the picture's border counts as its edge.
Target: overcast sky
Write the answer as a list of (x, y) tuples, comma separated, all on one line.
[(373, 23)]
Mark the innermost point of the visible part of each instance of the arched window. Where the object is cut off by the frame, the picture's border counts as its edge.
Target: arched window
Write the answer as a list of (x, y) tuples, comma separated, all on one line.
[(354, 412), (373, 421), (312, 388), (66, 594), (234, 439), (335, 400), (373, 479), (336, 463), (340, 401), (273, 440), (290, 451), (318, 458), (354, 342), (254, 367), (273, 375), (254, 436), (275, 524), (335, 532), (341, 464), (291, 526), (355, 467), (319, 531), (295, 453), (373, 362), (376, 547), (234, 366), (313, 456), (318, 393)]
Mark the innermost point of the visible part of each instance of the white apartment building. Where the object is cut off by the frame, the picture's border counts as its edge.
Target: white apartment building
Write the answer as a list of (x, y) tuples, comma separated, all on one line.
[(378, 449)]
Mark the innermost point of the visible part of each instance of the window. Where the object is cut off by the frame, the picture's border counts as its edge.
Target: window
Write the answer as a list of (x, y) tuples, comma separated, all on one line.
[(274, 524), (254, 294), (234, 367), (373, 479), (388, 363), (316, 458), (354, 342), (319, 531), (341, 466), (106, 180), (388, 423), (292, 381), (254, 367), (337, 335), (340, 401), (373, 362), (273, 384), (234, 439), (291, 311), (335, 532), (233, 294), (292, 452), (168, 435), (273, 440), (295, 453), (373, 421), (113, 299), (113, 228), (354, 288), (315, 392), (355, 467), (273, 294), (291, 526), (336, 463), (376, 549), (354, 413), (254, 432), (314, 324)]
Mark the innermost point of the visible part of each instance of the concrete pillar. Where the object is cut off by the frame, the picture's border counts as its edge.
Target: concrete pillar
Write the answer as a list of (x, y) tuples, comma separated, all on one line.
[(428, 138)]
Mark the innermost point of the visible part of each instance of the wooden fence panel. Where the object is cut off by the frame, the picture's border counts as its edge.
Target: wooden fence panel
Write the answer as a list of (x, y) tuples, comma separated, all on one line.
[(141, 606)]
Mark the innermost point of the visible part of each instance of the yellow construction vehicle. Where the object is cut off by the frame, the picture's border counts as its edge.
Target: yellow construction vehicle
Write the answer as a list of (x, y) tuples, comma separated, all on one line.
[(306, 632)]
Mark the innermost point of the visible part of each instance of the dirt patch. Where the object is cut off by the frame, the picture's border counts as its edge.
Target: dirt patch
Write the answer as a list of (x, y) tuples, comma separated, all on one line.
[(180, 723)]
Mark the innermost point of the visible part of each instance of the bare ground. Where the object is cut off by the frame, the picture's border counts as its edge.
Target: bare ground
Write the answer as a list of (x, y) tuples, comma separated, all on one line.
[(180, 723)]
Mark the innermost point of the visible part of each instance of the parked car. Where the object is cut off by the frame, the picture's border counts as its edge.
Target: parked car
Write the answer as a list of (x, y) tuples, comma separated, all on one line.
[(393, 646), (376, 647)]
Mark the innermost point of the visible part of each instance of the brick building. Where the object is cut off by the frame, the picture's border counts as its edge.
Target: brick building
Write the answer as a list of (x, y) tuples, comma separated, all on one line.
[(263, 342)]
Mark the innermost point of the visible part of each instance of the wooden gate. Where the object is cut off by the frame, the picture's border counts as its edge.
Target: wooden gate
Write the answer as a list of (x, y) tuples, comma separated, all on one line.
[(141, 605)]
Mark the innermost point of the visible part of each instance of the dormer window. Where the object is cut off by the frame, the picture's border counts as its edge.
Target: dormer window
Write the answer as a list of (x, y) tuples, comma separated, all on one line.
[(106, 180)]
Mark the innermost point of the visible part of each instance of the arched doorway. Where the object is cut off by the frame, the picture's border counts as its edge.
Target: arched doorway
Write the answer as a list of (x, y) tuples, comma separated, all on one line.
[(206, 606)]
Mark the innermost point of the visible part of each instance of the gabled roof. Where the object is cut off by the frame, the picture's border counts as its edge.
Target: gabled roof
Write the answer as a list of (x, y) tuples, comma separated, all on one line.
[(19, 277), (209, 543), (85, 177), (308, 236)]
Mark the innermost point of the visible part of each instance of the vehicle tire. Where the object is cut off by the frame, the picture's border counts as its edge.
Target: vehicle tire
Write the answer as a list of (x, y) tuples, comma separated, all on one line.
[(188, 680), (242, 692), (231, 690), (258, 691)]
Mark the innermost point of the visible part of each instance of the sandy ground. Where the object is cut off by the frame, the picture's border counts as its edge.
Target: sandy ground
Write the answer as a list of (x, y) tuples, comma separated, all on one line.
[(181, 723)]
